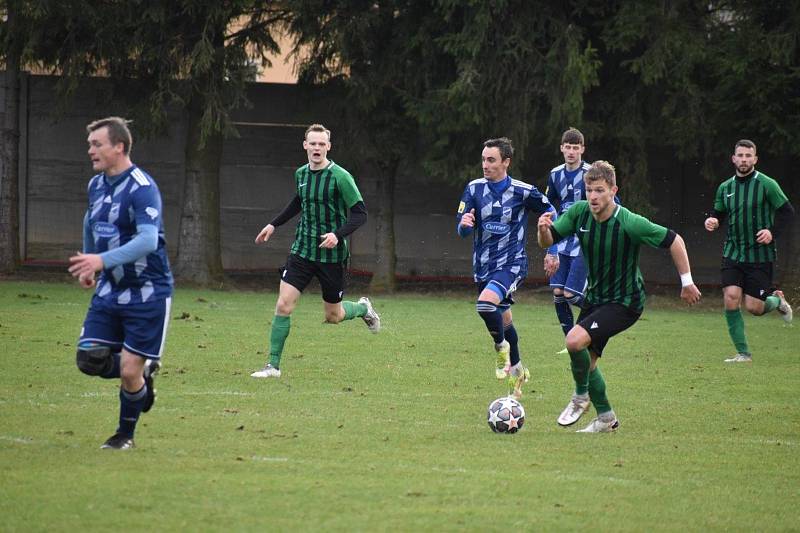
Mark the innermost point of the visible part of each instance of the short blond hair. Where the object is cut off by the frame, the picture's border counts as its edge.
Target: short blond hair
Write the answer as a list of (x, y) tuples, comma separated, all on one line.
[(319, 128), (601, 171)]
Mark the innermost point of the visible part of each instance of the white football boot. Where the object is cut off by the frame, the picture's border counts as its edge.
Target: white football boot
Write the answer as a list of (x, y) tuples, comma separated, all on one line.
[(740, 358), (598, 426), (268, 371), (372, 319), (784, 308), (574, 410)]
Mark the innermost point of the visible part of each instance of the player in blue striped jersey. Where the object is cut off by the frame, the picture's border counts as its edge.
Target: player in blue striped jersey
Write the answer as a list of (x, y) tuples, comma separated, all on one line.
[(123, 239), (494, 210), (566, 268)]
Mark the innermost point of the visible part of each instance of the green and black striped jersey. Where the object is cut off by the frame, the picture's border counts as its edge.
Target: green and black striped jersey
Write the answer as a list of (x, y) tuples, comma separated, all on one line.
[(325, 197), (611, 252), (750, 204)]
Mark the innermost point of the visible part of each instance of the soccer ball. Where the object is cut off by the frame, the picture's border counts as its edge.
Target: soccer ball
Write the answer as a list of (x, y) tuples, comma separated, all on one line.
[(506, 415)]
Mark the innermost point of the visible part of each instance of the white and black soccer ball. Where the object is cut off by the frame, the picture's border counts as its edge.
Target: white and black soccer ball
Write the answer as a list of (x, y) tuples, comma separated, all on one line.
[(506, 415)]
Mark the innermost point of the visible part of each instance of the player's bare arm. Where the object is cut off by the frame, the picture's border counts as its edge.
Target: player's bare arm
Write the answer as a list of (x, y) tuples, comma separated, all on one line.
[(689, 291), (265, 234)]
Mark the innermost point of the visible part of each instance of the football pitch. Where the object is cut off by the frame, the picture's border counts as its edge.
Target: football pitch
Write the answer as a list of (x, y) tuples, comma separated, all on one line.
[(388, 432)]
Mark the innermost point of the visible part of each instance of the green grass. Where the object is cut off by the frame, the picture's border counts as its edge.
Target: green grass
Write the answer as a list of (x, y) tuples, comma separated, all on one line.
[(387, 432)]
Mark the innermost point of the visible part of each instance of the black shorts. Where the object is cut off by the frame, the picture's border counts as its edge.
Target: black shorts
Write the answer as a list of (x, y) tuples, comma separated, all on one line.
[(298, 273), (755, 279), (604, 321)]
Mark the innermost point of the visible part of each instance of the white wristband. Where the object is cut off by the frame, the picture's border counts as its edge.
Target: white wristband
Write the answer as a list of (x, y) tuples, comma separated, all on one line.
[(686, 279)]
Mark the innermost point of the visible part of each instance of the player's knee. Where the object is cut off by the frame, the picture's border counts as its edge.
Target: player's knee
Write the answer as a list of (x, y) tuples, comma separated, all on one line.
[(333, 317), (131, 378), (94, 359), (283, 307), (731, 301), (575, 341), (131, 373)]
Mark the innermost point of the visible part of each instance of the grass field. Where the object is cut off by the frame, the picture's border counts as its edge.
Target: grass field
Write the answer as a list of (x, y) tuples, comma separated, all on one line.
[(387, 432)]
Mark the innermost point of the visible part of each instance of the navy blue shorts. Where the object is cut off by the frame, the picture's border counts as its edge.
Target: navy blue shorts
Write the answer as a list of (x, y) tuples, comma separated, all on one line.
[(571, 274), (504, 283), (139, 328)]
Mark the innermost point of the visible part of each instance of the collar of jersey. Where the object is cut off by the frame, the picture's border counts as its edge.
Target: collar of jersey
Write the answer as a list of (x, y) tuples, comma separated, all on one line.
[(573, 173), (742, 179), (497, 187), (113, 180), (326, 167), (612, 217)]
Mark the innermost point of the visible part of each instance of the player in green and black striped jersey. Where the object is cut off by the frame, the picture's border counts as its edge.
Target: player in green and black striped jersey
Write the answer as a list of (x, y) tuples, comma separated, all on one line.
[(610, 237), (758, 212), (330, 208)]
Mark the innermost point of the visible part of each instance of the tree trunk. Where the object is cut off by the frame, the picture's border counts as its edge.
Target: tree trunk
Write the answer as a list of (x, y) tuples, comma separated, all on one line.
[(199, 253), (9, 171), (383, 278)]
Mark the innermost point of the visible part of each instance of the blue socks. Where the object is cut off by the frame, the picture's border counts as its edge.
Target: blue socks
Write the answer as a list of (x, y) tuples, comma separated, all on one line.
[(493, 318), (513, 340), (130, 407), (564, 313)]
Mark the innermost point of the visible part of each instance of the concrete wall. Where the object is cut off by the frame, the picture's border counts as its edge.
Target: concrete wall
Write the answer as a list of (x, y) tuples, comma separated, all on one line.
[(256, 183)]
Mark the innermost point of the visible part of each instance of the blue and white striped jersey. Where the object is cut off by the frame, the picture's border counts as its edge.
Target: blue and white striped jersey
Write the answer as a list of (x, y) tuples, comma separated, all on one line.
[(564, 188), (501, 221), (114, 211)]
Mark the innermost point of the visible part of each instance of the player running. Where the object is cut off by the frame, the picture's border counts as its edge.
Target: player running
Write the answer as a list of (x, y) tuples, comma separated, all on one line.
[(123, 239), (610, 237), (494, 210), (759, 212), (330, 208)]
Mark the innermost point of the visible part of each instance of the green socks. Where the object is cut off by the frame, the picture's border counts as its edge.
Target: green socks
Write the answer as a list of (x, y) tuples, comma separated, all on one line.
[(353, 310), (277, 338), (580, 363), (597, 392), (771, 303), (736, 330)]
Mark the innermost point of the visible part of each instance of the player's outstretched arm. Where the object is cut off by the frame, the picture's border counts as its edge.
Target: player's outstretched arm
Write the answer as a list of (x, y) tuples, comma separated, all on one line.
[(689, 291), (544, 236)]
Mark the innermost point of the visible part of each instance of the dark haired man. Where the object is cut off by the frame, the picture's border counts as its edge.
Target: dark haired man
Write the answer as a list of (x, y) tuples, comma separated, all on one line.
[(758, 213), (566, 269), (494, 209)]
